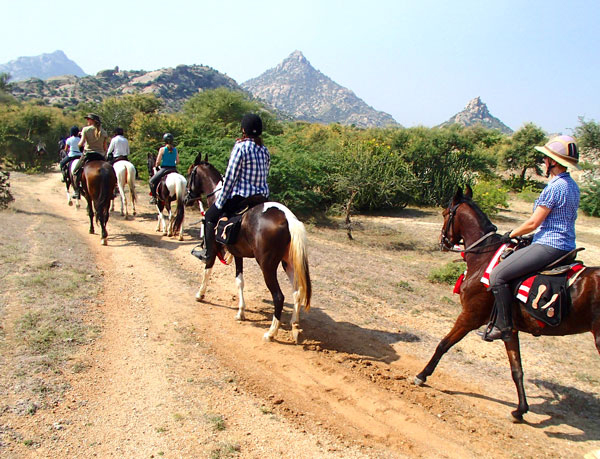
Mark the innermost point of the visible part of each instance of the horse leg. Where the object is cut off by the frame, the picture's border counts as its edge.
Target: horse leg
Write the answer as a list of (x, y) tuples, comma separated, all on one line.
[(103, 221), (90, 210), (239, 282), (169, 230), (132, 196), (204, 284), (516, 368), (123, 200), (161, 218), (69, 200), (295, 320), (463, 325), (270, 275), (596, 333)]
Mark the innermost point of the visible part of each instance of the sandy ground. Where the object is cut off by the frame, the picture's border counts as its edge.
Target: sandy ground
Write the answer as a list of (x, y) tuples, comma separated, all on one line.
[(170, 377)]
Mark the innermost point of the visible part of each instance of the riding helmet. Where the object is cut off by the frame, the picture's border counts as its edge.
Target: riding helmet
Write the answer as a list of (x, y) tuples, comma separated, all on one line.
[(74, 131), (252, 124), (168, 138)]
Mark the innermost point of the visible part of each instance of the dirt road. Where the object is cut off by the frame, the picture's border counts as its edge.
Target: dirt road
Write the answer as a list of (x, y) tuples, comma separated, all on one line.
[(167, 376)]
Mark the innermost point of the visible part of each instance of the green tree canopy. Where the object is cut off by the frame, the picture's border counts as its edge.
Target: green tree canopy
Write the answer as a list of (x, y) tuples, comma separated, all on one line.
[(520, 154)]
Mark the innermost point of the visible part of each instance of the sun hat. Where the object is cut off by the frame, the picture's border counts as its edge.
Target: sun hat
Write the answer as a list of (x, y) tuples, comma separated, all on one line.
[(93, 117), (563, 150)]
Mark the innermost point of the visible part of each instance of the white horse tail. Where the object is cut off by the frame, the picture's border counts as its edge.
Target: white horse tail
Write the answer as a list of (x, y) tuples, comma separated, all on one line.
[(180, 191), (131, 180), (299, 259)]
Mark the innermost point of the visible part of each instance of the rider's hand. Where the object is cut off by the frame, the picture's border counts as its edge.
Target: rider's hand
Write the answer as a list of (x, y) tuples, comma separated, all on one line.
[(505, 238)]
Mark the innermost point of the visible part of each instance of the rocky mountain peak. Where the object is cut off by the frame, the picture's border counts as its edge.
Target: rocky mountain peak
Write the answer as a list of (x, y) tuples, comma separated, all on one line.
[(475, 113), (42, 66), (295, 87)]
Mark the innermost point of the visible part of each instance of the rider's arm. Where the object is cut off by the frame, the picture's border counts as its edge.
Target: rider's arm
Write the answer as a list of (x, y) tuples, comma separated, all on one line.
[(232, 174), (82, 141), (177, 157), (111, 147), (159, 157), (532, 223)]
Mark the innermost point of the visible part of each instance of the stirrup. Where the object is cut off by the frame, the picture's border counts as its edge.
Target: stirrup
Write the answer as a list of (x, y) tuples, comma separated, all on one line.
[(200, 253), (493, 333)]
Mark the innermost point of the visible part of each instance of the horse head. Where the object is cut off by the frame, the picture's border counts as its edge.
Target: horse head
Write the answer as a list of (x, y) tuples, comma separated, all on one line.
[(151, 163), (203, 179)]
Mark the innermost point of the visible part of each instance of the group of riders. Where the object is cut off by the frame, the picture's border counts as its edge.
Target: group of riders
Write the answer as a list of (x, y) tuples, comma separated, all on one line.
[(554, 212)]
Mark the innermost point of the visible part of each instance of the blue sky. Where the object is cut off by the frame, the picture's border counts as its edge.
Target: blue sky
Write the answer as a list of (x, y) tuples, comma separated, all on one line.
[(421, 61)]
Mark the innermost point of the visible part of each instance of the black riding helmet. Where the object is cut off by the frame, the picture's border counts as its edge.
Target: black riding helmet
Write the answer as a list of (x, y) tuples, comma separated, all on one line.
[(252, 125), (168, 138), (74, 131)]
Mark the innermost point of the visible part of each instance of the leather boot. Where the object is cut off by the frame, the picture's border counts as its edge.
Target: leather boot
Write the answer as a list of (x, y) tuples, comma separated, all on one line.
[(209, 243), (502, 328)]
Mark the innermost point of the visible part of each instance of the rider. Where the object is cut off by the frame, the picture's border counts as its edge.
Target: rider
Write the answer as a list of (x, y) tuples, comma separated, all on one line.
[(93, 140), (118, 148), (72, 149), (167, 159), (554, 213), (246, 176)]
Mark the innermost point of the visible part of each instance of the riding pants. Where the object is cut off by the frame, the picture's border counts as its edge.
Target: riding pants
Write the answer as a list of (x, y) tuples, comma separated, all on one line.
[(524, 261), (67, 159), (155, 179)]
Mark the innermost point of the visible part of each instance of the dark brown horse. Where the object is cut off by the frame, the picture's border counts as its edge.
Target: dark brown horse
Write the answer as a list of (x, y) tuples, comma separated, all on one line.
[(271, 234), (98, 180), (465, 222)]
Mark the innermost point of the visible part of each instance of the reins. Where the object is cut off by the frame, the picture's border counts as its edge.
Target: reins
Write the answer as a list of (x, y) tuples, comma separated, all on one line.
[(445, 243)]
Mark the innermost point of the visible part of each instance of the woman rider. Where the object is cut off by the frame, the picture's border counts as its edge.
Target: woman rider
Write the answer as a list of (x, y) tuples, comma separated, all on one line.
[(246, 176), (72, 149), (93, 141), (554, 213), (167, 159)]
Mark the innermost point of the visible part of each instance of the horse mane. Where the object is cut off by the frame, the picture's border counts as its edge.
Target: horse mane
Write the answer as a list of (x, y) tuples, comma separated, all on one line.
[(486, 223)]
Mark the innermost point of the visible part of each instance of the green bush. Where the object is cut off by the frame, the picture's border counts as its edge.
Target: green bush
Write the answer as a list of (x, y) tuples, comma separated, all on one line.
[(447, 274), (590, 200), (490, 196), (5, 194)]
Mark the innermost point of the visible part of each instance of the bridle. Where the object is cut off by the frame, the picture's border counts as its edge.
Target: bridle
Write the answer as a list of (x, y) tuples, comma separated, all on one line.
[(189, 198), (446, 243)]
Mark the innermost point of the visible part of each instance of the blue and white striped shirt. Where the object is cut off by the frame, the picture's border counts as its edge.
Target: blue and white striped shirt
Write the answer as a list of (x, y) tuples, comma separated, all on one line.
[(246, 173), (561, 196)]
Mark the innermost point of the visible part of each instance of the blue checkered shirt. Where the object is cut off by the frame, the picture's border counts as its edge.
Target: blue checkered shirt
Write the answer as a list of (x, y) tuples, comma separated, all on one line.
[(561, 196), (246, 173)]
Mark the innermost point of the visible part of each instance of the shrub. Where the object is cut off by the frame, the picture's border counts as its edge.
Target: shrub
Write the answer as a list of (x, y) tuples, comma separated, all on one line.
[(490, 196), (447, 274), (590, 200), (5, 194)]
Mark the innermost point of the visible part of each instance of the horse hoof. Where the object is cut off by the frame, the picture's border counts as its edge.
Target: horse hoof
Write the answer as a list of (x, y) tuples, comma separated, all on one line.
[(267, 338), (70, 203), (516, 417), (92, 232), (199, 297), (296, 335), (240, 317), (418, 381), (103, 242)]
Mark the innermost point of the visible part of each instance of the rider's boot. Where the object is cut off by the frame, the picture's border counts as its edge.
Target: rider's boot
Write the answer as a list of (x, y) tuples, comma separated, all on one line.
[(76, 184), (153, 193), (502, 328), (209, 243)]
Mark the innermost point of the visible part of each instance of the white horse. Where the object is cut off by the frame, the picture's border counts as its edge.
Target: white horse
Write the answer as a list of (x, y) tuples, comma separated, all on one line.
[(125, 176), (171, 188)]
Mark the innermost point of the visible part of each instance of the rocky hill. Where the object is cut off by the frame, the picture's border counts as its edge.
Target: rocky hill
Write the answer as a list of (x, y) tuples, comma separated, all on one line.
[(173, 85), (42, 66), (297, 88), (477, 113)]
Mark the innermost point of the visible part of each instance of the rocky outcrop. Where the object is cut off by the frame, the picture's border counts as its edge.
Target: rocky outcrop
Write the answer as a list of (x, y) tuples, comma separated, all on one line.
[(173, 85), (477, 113), (42, 67), (297, 88)]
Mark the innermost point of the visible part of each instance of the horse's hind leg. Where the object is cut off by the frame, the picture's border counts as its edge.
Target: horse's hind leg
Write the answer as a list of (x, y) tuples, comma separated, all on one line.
[(270, 275), (514, 357), (462, 326), (239, 282), (204, 285), (90, 210), (295, 320)]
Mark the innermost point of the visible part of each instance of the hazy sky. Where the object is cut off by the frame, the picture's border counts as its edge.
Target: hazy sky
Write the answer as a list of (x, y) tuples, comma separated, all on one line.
[(421, 60)]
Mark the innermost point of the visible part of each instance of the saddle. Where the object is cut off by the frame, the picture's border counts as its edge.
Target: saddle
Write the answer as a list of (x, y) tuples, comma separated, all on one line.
[(545, 293), (228, 227)]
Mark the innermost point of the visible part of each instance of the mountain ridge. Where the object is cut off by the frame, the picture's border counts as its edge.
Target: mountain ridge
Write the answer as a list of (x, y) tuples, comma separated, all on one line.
[(476, 113), (42, 66)]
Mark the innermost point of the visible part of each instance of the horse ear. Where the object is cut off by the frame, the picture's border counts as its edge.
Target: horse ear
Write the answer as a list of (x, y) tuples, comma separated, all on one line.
[(458, 196), (206, 158), (469, 192)]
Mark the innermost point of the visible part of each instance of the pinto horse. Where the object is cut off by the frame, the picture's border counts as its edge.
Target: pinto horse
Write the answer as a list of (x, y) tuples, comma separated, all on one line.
[(98, 181), (126, 173), (70, 180), (172, 187), (271, 234), (464, 221)]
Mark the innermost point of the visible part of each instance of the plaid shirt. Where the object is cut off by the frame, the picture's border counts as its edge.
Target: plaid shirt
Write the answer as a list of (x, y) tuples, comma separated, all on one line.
[(561, 196), (246, 173)]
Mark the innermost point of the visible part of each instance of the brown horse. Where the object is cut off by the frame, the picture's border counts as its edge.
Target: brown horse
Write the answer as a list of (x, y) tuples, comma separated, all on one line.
[(271, 234), (98, 180), (464, 221)]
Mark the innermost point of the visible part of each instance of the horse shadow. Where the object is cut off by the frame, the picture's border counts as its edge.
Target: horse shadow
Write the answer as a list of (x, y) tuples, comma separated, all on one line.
[(564, 406), (148, 240)]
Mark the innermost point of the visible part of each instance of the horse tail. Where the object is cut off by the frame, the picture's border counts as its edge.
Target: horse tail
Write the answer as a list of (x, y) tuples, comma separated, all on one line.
[(105, 193), (131, 173), (299, 259), (180, 191)]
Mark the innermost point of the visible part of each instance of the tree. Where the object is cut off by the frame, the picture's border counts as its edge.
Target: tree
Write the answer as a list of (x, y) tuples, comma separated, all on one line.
[(5, 96), (520, 154), (588, 137)]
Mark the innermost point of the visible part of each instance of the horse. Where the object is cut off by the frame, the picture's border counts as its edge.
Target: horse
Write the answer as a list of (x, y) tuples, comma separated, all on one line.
[(172, 187), (464, 221), (126, 174), (69, 182), (98, 181), (271, 234)]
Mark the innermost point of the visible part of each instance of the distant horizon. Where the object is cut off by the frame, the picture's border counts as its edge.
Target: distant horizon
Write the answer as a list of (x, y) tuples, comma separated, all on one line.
[(420, 62)]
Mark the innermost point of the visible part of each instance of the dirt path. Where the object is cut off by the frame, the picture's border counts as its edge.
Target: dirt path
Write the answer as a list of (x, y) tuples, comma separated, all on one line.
[(170, 377)]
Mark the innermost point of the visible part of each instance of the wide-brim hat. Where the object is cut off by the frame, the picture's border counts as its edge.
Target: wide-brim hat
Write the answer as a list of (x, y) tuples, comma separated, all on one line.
[(93, 117), (563, 150)]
